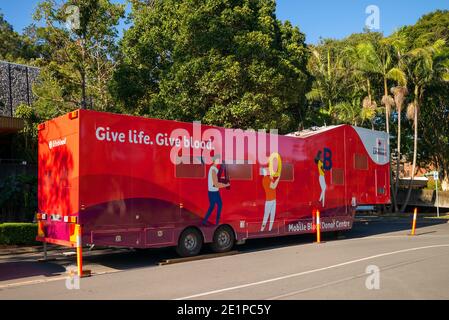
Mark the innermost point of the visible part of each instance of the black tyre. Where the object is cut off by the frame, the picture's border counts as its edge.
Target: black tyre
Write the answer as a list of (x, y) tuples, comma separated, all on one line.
[(224, 239), (190, 243)]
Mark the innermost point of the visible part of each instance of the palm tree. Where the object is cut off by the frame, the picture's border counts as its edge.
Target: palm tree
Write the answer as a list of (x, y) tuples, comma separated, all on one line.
[(399, 94), (349, 112), (423, 65), (329, 73), (369, 108), (380, 60)]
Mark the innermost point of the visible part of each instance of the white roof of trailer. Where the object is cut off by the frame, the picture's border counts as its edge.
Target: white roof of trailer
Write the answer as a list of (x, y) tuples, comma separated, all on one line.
[(312, 131)]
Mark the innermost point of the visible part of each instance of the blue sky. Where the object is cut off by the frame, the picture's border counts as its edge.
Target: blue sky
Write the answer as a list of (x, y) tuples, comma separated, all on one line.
[(316, 18)]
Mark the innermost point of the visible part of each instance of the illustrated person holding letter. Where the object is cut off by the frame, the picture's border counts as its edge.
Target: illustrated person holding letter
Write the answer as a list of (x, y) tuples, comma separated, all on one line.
[(270, 183), (214, 187)]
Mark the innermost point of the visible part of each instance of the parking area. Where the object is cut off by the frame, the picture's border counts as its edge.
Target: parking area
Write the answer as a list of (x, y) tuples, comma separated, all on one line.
[(375, 260)]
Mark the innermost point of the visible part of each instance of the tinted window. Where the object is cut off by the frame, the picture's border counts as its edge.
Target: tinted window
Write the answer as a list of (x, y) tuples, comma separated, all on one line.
[(337, 176), (240, 171), (360, 161), (287, 173), (194, 169)]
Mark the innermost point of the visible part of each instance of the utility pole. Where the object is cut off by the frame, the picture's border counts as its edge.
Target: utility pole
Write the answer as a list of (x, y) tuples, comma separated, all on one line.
[(83, 76), (436, 178)]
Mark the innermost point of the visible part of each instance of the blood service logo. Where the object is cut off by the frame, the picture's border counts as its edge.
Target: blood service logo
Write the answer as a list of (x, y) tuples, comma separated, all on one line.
[(57, 143)]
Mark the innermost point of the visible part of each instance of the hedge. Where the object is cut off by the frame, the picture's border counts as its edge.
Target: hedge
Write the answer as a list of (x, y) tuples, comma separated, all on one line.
[(18, 233)]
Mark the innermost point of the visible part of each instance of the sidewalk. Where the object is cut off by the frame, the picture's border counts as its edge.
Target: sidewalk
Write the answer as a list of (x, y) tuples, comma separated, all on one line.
[(14, 249), (403, 217), (6, 250), (359, 218)]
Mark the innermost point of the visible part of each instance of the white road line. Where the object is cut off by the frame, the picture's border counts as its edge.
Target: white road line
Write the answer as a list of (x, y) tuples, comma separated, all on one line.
[(25, 283), (316, 287), (293, 293), (405, 236), (309, 272), (38, 281)]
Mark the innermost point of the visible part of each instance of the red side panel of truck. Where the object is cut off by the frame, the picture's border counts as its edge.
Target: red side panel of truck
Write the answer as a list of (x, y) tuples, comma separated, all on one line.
[(115, 176)]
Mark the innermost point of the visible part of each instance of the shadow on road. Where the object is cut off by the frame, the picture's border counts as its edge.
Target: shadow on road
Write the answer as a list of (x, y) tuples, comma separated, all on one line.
[(25, 269), (378, 226), (23, 266)]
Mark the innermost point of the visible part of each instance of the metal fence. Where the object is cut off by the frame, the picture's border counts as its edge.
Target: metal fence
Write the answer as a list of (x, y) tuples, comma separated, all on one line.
[(16, 82)]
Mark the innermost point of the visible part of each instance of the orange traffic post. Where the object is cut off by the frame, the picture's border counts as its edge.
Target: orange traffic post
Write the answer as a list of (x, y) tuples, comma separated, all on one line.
[(415, 216), (79, 253), (318, 227), (79, 250)]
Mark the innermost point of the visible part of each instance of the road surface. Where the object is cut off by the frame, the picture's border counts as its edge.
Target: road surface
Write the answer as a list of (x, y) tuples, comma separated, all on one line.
[(283, 268)]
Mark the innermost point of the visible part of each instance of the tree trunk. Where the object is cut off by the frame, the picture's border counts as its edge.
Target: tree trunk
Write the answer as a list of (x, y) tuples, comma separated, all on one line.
[(83, 76), (387, 111), (445, 180), (415, 151), (83, 90), (387, 124), (398, 162)]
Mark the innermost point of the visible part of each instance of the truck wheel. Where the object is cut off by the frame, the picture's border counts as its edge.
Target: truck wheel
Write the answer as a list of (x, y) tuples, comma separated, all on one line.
[(224, 239), (189, 243)]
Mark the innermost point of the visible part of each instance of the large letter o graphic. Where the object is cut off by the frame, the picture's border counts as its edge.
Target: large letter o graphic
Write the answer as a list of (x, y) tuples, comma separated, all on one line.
[(278, 172)]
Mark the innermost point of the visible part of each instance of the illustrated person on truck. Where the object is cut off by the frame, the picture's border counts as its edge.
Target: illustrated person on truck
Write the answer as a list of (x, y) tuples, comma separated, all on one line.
[(214, 187), (324, 163), (270, 183)]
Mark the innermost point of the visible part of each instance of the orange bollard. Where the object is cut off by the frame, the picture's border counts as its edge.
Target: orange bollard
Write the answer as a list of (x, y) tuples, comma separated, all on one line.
[(79, 253), (79, 250), (415, 216), (318, 227)]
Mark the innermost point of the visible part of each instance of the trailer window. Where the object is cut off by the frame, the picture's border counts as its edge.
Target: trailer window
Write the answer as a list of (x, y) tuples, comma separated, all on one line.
[(194, 169), (287, 172), (337, 176), (360, 162), (240, 171)]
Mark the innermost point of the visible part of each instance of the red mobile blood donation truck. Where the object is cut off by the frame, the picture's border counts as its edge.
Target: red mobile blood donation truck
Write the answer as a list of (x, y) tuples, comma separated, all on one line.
[(130, 181)]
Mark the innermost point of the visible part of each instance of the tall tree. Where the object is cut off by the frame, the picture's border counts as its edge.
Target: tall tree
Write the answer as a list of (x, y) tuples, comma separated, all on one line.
[(330, 73), (14, 46), (79, 39), (434, 142), (399, 94), (381, 61), (229, 63), (427, 30), (424, 65)]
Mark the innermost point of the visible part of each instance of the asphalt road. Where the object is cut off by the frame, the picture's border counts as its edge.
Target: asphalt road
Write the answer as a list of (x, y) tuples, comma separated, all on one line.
[(283, 268)]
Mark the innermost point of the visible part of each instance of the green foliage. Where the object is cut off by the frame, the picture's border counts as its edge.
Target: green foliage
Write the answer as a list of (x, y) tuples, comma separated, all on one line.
[(18, 194), (228, 63), (233, 63), (25, 143), (18, 233), (14, 47), (73, 57), (431, 184)]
